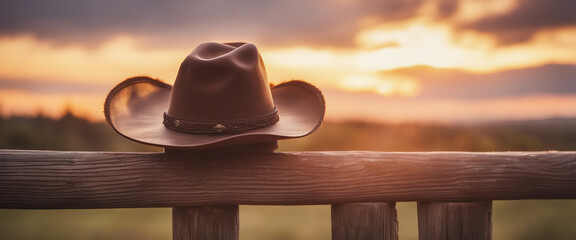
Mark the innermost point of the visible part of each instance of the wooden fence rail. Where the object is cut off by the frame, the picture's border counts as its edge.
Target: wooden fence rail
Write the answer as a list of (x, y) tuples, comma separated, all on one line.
[(354, 183), (76, 180)]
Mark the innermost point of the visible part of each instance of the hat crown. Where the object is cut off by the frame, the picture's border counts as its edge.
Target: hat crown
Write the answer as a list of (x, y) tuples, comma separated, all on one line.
[(221, 82)]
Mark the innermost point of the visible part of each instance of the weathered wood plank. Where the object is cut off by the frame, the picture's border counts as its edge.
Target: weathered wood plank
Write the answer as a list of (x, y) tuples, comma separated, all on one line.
[(205, 223), (454, 221), (364, 221), (49, 179)]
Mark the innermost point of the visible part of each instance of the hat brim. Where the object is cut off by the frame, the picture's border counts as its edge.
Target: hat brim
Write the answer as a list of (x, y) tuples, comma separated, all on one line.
[(135, 107)]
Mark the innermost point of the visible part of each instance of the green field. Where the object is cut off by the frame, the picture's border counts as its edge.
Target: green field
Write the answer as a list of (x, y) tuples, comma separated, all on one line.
[(526, 219)]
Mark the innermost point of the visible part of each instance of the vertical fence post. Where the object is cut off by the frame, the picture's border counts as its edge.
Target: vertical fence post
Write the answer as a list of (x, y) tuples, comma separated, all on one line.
[(445, 220), (218, 222), (364, 221)]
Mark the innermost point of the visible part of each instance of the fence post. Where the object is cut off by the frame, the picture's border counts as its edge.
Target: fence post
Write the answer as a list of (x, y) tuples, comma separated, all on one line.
[(364, 221), (219, 222), (445, 220)]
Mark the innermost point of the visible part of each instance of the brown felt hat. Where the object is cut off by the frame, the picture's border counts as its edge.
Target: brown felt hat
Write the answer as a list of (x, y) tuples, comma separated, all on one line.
[(221, 97)]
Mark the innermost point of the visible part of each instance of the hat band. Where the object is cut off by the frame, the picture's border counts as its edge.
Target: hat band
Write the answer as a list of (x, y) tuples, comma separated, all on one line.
[(220, 126)]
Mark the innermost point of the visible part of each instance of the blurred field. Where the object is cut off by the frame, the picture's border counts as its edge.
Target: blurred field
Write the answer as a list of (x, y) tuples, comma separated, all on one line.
[(526, 219)]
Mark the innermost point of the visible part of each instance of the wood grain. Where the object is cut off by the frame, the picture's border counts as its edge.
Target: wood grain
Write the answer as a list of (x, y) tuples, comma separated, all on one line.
[(454, 221), (364, 221), (69, 180), (205, 223)]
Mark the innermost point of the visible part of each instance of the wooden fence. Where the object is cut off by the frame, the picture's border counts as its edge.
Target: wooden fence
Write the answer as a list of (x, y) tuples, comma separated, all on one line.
[(454, 190)]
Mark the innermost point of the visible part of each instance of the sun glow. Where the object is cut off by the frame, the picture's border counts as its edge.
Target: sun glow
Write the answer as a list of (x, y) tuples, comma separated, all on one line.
[(474, 9), (441, 47), (411, 45), (27, 58), (385, 48), (382, 84)]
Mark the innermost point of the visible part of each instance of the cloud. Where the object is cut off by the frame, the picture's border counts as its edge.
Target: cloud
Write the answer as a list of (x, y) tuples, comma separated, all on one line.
[(526, 19), (447, 8), (392, 10), (273, 22), (552, 79), (296, 22), (54, 88)]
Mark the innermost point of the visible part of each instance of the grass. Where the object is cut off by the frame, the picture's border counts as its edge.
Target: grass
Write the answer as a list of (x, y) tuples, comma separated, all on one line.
[(525, 219)]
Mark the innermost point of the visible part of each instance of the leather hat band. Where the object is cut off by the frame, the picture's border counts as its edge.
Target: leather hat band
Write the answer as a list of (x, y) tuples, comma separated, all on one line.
[(220, 126)]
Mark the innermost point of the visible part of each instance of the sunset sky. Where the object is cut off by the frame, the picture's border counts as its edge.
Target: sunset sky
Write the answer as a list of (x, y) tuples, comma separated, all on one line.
[(393, 60)]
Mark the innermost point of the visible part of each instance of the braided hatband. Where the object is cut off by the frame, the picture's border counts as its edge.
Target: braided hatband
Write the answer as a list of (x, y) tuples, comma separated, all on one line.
[(220, 126)]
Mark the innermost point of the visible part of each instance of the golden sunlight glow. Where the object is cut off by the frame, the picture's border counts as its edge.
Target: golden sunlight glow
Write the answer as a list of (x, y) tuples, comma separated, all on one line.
[(359, 83), (438, 47), (301, 57), (473, 9), (553, 46), (382, 48), (28, 58), (360, 69), (383, 84), (416, 45)]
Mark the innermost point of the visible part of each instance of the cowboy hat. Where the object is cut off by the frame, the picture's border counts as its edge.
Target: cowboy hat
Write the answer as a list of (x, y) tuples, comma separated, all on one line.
[(221, 96)]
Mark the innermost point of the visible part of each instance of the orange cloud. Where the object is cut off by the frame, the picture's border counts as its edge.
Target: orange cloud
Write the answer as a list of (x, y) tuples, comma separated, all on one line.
[(27, 58)]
